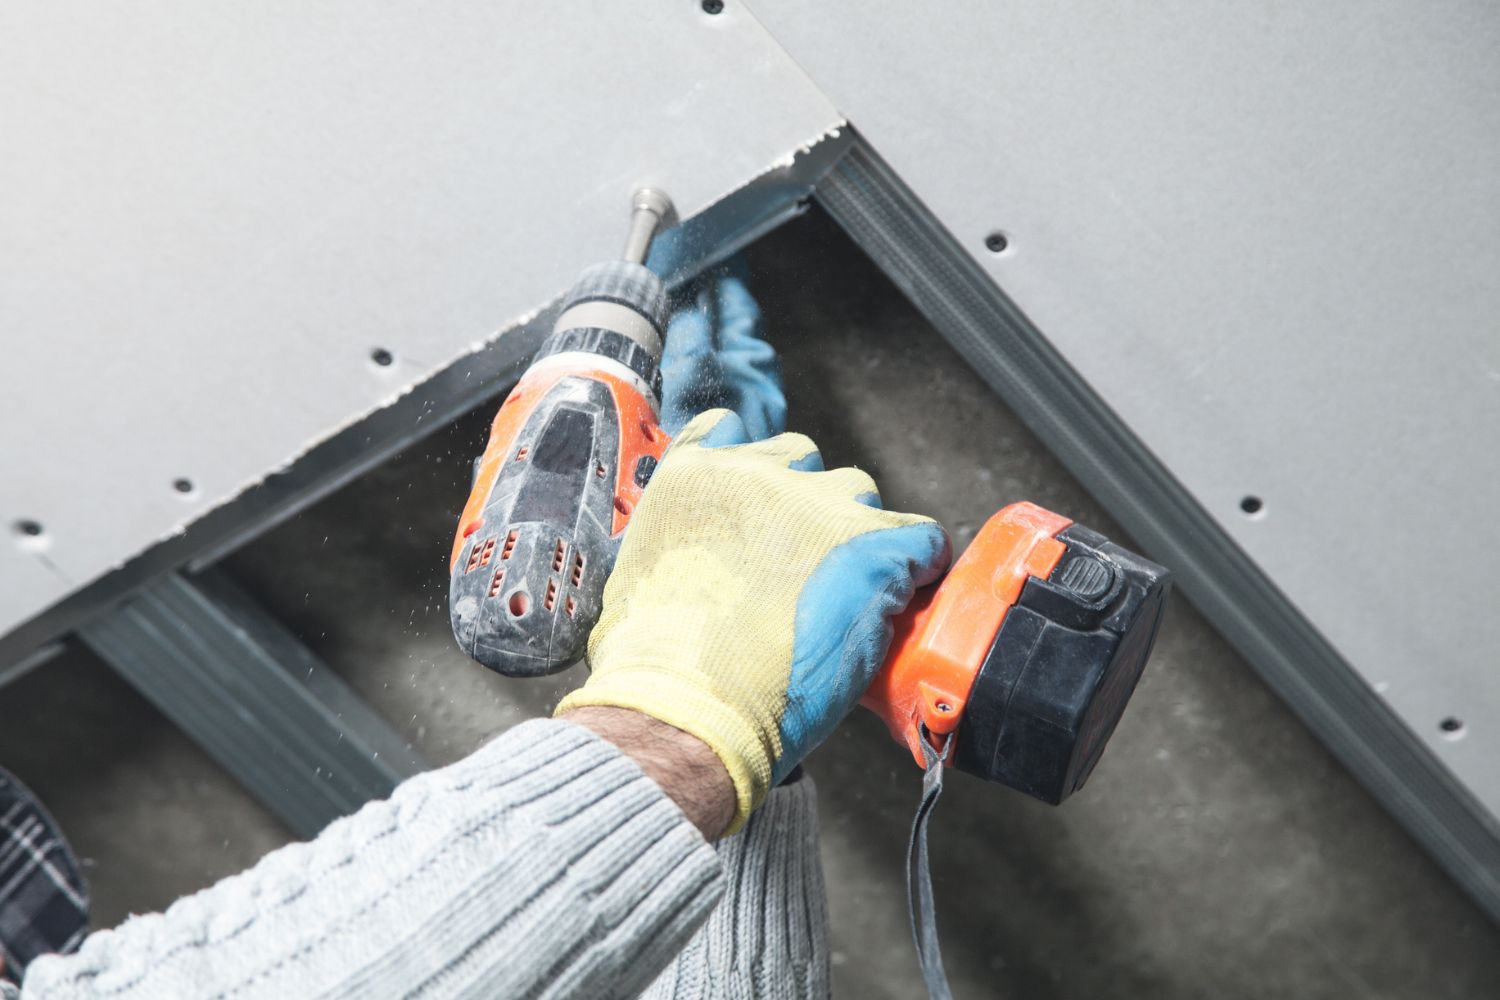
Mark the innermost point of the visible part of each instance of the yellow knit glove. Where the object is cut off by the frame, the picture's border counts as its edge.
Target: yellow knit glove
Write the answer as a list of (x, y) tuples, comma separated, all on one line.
[(751, 599)]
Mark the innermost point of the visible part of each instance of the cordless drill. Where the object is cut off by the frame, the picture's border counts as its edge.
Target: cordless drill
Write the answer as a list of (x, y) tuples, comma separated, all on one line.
[(1023, 657), (569, 453)]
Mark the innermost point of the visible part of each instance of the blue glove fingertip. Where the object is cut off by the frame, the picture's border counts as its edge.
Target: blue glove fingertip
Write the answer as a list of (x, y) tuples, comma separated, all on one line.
[(729, 430), (811, 462), (689, 371), (739, 313), (843, 627), (714, 356), (929, 551)]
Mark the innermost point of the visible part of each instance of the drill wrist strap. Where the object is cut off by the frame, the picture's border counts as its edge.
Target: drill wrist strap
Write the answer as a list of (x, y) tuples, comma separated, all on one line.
[(919, 901)]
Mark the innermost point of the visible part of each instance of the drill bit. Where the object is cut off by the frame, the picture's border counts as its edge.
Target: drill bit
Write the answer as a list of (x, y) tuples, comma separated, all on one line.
[(650, 210)]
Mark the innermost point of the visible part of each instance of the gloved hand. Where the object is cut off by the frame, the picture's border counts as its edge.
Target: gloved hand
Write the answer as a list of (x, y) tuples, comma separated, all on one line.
[(714, 356), (751, 601)]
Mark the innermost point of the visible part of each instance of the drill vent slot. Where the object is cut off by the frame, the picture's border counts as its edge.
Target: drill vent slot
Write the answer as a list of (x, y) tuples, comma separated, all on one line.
[(510, 544), (551, 598), (480, 551), (577, 568), (600, 470), (497, 581), (557, 555), (570, 606), (521, 455)]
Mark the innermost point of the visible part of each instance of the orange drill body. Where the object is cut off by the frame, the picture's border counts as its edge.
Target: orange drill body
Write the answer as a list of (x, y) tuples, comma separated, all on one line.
[(640, 436), (941, 640)]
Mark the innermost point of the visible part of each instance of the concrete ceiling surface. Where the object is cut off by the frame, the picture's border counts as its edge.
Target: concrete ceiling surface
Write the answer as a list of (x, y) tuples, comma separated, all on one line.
[(1268, 236), (213, 215)]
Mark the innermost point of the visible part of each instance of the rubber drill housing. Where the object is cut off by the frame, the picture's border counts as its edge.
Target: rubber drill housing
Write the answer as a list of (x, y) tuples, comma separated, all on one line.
[(1062, 668), (1026, 653)]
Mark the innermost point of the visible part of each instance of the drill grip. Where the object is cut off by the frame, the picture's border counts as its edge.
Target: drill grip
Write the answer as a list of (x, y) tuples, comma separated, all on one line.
[(569, 455)]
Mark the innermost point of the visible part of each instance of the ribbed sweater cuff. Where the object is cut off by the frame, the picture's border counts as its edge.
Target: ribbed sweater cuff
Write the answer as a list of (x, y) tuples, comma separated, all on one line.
[(768, 937), (546, 863)]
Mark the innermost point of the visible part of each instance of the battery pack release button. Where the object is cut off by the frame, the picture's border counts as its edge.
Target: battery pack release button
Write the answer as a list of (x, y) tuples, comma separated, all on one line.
[(1086, 576)]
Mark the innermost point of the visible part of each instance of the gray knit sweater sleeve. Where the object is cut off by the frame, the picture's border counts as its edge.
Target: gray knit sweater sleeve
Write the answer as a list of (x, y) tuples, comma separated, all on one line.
[(546, 864), (768, 937)]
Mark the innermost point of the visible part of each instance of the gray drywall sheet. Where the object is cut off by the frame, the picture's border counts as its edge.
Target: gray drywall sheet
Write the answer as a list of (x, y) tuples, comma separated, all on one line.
[(213, 214), (1268, 237)]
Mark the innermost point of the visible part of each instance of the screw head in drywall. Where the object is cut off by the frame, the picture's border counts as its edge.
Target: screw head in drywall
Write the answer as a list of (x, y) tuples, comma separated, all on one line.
[(30, 536), (713, 6), (996, 242), (382, 357)]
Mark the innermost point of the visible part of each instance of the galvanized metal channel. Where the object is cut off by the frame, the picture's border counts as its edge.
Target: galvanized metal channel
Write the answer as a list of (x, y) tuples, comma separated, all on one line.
[(257, 700)]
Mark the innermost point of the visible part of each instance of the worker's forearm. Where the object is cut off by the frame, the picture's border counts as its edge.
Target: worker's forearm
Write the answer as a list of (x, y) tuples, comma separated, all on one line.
[(768, 937), (686, 769), (547, 863)]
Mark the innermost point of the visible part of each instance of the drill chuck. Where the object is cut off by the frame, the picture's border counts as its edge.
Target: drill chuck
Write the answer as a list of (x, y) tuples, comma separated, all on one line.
[(621, 283), (618, 308), (650, 211)]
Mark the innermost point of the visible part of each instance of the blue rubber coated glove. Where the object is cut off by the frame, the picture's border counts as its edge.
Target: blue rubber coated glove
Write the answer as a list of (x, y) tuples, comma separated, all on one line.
[(715, 357), (751, 602)]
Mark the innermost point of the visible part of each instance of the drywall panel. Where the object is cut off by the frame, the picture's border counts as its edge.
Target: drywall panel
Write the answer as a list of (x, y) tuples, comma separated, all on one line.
[(1268, 238), (30, 581), (215, 218)]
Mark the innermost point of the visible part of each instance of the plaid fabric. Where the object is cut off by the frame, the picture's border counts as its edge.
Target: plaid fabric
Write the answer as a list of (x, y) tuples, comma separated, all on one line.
[(44, 903)]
